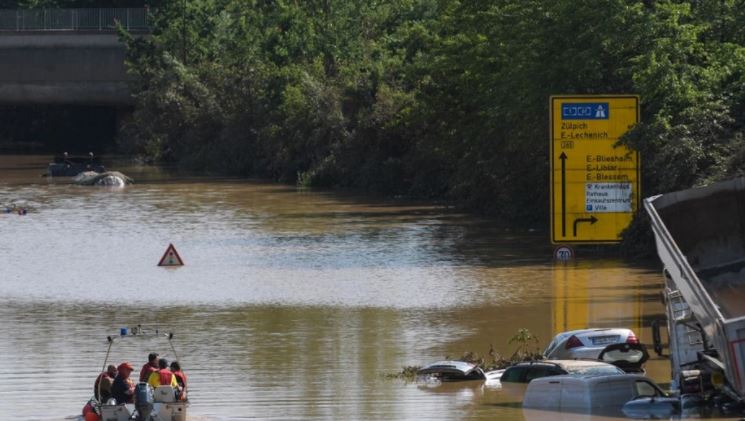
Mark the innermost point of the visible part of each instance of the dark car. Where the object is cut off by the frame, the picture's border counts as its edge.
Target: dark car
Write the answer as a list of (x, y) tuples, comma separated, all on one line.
[(69, 166), (525, 372)]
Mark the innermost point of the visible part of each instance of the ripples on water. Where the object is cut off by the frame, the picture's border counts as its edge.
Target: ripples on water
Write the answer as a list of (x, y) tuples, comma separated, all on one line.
[(292, 305)]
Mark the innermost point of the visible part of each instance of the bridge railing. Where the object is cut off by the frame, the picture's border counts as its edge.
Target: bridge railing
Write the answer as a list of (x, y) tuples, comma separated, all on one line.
[(103, 19)]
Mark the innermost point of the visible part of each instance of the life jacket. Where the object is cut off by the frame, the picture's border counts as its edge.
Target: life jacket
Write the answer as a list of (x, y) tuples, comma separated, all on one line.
[(165, 377), (89, 413), (180, 378), (146, 371), (98, 381)]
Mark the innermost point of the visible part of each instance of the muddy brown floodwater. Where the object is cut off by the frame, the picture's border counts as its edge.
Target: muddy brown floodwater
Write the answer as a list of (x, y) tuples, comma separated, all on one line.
[(292, 304)]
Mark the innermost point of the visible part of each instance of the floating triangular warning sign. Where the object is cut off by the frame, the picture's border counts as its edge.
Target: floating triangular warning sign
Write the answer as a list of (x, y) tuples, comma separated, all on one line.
[(171, 257)]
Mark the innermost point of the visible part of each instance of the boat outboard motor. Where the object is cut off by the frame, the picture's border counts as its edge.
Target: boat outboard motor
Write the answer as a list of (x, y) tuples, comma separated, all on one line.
[(144, 401)]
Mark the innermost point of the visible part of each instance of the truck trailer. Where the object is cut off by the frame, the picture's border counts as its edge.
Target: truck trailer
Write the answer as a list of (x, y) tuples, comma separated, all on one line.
[(700, 239)]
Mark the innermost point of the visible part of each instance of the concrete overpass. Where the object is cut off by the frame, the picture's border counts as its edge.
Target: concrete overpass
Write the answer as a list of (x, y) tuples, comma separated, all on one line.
[(66, 56)]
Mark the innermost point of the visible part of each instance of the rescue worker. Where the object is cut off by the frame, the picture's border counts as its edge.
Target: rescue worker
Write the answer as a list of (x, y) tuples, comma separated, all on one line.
[(89, 412), (180, 379), (163, 377), (123, 389), (150, 367), (180, 375), (102, 385)]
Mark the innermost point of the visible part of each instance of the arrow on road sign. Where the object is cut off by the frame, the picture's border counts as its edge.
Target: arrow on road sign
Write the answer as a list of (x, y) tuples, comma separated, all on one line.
[(563, 158), (591, 220)]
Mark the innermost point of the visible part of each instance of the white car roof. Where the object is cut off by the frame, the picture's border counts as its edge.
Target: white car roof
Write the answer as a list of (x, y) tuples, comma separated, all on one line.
[(590, 378), (580, 332), (578, 363)]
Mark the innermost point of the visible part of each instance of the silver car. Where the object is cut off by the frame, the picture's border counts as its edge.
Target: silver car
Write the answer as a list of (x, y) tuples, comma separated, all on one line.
[(450, 371), (587, 343)]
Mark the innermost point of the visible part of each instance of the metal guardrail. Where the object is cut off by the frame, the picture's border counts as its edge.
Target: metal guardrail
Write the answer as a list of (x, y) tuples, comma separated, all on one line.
[(103, 20)]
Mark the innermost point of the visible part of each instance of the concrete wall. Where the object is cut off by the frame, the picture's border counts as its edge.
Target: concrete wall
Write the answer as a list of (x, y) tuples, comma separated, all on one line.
[(63, 68)]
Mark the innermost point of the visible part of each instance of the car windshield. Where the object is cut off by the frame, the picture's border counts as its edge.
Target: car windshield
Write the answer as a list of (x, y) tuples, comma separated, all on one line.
[(594, 370)]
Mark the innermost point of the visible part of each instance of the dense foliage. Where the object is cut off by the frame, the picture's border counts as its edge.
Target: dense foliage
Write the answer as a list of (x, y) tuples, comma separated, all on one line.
[(62, 4), (435, 98)]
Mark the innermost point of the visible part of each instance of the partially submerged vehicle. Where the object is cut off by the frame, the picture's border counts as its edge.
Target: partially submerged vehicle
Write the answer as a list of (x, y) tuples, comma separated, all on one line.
[(159, 404), (602, 395), (527, 371), (69, 166), (106, 178), (587, 343), (616, 358), (452, 370)]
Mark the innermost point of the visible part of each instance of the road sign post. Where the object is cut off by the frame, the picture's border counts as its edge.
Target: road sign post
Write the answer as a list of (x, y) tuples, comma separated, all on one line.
[(594, 183)]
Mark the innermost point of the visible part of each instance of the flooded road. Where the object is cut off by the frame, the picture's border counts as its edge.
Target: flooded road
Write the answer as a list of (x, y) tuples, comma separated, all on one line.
[(291, 305)]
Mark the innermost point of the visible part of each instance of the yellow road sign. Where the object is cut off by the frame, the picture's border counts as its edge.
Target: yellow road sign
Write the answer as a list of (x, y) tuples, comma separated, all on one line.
[(594, 184)]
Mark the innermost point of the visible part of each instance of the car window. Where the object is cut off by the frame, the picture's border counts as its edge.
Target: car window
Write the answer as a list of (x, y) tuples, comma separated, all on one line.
[(514, 374), (644, 388), (538, 371)]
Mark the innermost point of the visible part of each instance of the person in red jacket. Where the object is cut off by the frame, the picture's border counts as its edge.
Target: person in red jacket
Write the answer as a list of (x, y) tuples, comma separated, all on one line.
[(180, 379), (102, 385), (150, 367)]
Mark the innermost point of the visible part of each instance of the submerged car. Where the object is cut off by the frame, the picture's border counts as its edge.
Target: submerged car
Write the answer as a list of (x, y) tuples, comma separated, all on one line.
[(66, 165), (607, 395), (107, 178), (527, 371), (452, 370), (587, 343)]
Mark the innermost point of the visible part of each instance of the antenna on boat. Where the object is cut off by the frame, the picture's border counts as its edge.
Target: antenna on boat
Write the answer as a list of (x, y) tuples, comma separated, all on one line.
[(108, 351)]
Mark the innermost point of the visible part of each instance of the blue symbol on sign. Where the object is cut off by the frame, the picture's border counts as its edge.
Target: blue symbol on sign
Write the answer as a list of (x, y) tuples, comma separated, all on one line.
[(585, 111), (589, 208)]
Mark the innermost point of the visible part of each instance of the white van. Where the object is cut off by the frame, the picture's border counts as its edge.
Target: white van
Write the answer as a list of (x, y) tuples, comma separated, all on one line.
[(604, 394)]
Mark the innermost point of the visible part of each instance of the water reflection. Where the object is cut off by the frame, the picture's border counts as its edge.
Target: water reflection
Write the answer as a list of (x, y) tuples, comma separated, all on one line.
[(593, 294), (292, 304)]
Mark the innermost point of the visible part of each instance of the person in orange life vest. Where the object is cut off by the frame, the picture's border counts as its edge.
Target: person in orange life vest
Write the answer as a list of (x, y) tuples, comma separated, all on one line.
[(103, 384), (180, 379), (89, 412), (123, 388), (163, 377), (150, 367)]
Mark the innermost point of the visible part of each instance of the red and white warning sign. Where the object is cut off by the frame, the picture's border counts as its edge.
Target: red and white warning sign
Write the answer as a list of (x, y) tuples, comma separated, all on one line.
[(171, 257)]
